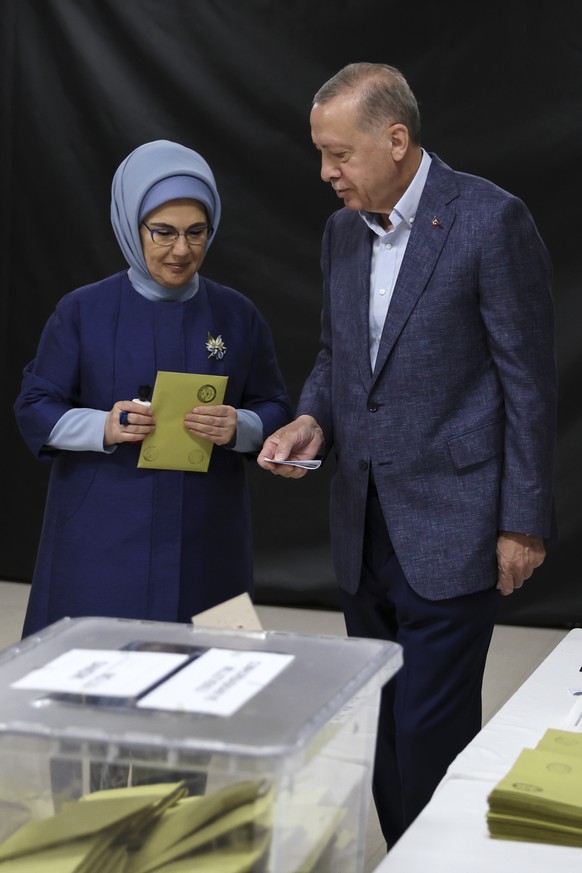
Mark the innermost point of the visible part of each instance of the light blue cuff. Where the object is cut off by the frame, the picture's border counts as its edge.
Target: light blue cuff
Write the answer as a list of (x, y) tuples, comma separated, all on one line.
[(80, 430), (249, 431)]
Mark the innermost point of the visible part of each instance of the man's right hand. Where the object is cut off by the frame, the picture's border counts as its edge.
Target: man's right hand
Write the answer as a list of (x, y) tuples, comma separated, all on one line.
[(299, 441)]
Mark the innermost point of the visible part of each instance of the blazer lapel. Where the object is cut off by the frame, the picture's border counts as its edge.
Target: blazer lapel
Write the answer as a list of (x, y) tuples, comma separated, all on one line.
[(357, 287), (432, 224)]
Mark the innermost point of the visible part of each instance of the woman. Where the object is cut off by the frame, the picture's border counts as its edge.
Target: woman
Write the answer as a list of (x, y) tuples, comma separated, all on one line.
[(118, 540)]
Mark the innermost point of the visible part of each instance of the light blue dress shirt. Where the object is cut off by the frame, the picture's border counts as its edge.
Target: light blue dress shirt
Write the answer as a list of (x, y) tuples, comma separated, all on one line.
[(387, 253)]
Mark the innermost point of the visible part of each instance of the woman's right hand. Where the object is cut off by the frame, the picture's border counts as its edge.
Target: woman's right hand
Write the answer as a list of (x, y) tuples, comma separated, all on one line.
[(140, 422)]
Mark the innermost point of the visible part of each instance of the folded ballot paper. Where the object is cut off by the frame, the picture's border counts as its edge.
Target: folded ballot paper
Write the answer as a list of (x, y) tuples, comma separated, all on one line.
[(540, 799), (171, 446), (148, 828)]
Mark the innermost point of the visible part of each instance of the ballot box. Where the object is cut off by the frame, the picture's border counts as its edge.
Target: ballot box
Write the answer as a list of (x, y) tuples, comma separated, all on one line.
[(150, 747)]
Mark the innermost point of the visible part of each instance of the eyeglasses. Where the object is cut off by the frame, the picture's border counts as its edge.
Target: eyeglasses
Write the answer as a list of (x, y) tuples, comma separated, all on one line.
[(198, 235)]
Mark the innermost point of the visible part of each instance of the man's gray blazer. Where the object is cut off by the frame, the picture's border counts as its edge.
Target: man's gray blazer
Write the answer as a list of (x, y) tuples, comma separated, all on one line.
[(458, 419)]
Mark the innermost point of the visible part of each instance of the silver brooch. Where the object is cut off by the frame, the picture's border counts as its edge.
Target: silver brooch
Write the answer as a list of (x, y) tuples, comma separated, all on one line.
[(215, 347)]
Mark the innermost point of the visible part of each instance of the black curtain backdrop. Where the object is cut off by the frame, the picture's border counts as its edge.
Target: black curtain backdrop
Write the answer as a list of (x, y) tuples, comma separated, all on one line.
[(83, 82)]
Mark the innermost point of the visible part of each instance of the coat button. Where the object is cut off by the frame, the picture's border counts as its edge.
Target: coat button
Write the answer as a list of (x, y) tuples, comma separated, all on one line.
[(362, 465), (373, 407)]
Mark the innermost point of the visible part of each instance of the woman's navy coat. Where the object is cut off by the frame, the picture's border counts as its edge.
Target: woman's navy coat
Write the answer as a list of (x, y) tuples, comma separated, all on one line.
[(122, 541)]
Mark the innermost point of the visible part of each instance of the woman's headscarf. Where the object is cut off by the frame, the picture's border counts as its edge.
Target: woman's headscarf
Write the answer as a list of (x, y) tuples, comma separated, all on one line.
[(151, 175)]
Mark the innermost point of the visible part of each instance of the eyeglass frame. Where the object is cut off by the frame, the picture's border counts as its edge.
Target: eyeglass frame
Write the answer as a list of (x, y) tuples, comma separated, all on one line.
[(179, 233)]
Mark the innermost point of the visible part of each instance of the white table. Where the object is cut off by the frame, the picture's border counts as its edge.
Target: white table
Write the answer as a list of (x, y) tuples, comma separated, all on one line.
[(450, 835)]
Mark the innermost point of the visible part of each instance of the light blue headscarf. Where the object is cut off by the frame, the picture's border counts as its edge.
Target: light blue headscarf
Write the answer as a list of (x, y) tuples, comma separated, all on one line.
[(135, 191)]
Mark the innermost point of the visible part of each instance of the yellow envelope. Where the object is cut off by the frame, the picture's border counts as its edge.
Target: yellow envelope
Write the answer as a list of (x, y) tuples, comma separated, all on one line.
[(252, 818), (74, 821), (65, 858), (239, 858), (171, 446)]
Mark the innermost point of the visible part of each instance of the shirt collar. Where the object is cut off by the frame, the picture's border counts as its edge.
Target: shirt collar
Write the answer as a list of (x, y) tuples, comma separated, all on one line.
[(405, 209)]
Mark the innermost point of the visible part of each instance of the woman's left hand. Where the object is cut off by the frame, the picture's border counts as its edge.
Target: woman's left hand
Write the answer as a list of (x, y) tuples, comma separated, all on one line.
[(214, 423), (129, 422)]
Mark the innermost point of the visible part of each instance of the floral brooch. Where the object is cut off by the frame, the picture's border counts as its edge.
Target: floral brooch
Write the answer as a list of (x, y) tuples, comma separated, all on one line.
[(215, 347)]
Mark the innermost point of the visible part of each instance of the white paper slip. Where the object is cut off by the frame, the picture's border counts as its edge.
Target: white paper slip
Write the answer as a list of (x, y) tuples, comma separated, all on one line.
[(573, 722), (217, 683), (306, 465), (102, 672)]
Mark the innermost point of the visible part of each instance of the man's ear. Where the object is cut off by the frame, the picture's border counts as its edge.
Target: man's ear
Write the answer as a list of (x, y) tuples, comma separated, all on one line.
[(399, 140)]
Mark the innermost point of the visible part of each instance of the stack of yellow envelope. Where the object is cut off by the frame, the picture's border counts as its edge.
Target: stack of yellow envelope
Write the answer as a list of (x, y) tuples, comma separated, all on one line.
[(147, 828), (540, 799)]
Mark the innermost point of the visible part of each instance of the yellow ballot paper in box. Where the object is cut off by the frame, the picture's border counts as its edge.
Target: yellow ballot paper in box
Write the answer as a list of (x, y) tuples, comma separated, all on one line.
[(171, 446)]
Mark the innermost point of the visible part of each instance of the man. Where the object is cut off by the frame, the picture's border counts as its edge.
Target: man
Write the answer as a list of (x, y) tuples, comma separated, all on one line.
[(435, 388)]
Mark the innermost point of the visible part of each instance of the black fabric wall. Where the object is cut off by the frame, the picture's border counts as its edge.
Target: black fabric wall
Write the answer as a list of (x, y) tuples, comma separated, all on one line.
[(85, 81)]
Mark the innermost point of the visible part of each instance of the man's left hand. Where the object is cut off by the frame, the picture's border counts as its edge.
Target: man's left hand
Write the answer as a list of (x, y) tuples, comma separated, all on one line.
[(518, 556)]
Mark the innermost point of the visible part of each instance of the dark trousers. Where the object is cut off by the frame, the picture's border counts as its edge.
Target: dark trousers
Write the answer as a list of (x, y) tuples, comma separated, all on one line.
[(431, 708)]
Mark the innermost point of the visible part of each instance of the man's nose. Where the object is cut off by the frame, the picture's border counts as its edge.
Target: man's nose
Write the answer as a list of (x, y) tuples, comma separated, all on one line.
[(329, 171)]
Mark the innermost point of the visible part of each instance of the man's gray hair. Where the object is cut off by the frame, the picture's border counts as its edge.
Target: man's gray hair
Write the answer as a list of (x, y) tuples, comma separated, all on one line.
[(384, 96)]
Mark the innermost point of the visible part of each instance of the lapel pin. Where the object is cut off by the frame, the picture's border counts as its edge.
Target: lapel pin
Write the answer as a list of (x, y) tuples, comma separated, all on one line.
[(436, 222)]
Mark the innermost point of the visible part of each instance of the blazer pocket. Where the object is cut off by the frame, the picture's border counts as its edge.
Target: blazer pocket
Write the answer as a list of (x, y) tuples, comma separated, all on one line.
[(476, 446)]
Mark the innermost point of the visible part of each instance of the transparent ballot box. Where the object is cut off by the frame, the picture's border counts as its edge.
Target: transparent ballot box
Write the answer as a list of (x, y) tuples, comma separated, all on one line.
[(150, 747)]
